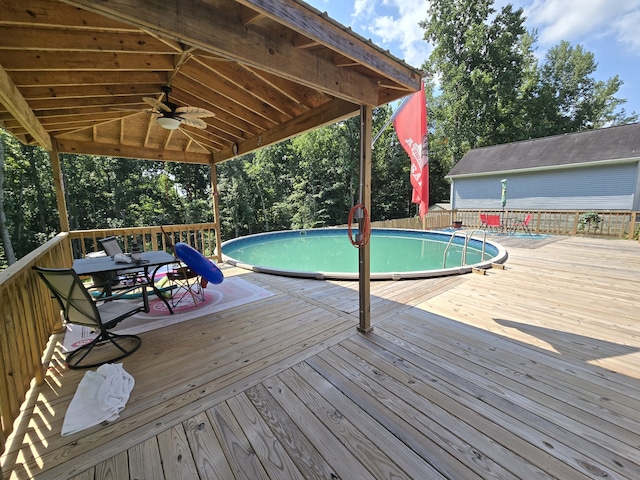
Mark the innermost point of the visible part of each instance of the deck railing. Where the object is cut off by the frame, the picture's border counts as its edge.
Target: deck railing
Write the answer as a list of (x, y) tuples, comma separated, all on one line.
[(612, 223), (618, 224), (28, 318), (434, 220), (201, 236)]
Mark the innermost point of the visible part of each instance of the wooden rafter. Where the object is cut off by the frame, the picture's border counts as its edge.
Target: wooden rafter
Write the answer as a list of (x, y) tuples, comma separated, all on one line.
[(265, 69), (198, 24), (13, 101)]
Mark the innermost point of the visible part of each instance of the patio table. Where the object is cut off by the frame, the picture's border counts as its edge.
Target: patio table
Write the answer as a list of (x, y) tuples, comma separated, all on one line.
[(149, 260)]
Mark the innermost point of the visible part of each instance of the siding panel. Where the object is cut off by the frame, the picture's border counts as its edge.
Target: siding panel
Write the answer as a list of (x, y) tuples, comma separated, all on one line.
[(600, 188)]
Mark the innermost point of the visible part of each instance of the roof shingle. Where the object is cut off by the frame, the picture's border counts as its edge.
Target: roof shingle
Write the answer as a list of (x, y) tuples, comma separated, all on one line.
[(613, 143)]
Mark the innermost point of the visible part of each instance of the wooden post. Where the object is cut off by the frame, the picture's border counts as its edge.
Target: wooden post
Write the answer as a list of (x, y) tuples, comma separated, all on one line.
[(632, 225), (364, 253), (215, 198), (58, 183)]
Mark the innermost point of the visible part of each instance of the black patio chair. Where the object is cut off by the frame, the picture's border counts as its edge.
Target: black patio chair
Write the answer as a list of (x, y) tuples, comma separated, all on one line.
[(122, 278), (182, 279), (79, 308)]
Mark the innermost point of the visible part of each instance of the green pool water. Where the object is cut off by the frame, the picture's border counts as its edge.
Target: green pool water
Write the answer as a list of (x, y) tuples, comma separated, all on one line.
[(329, 250)]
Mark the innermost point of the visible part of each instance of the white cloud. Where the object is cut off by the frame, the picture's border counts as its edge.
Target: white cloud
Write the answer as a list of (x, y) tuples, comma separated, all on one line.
[(578, 20), (627, 31), (398, 28), (363, 7)]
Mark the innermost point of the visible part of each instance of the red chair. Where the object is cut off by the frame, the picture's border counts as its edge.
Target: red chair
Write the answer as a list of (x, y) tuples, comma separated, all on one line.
[(494, 222), (522, 223), (483, 220)]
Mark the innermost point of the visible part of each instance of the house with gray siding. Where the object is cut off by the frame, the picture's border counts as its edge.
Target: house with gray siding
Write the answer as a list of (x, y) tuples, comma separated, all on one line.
[(590, 170)]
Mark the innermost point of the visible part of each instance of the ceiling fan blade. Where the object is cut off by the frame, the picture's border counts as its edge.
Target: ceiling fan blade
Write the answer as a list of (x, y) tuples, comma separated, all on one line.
[(194, 112), (157, 104), (192, 122)]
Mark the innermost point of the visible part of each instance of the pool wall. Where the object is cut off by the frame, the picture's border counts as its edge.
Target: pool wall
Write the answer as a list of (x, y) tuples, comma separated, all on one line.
[(474, 239)]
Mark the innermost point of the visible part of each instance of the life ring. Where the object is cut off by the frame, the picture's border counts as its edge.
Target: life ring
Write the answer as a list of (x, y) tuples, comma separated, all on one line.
[(364, 231), (198, 263)]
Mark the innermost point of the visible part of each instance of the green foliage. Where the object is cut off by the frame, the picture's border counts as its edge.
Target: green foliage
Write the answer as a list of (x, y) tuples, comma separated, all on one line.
[(481, 69), (492, 89), (28, 196), (590, 221), (313, 181), (101, 192)]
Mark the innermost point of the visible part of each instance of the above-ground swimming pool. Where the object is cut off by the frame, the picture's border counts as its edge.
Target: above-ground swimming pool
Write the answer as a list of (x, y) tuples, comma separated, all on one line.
[(395, 254)]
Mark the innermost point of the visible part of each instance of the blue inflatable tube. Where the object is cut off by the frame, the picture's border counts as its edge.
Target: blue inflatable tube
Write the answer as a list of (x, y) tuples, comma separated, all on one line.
[(198, 263)]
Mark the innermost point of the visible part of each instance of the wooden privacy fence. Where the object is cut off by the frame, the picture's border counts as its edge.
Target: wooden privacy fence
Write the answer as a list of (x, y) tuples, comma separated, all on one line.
[(435, 220), (608, 224), (28, 318), (201, 236)]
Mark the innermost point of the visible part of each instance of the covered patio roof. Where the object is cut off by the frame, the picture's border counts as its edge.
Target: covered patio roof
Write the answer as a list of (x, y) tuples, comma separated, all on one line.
[(73, 74)]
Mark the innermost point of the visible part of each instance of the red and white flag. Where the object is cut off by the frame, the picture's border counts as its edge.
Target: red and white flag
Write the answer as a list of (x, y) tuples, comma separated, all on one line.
[(410, 123)]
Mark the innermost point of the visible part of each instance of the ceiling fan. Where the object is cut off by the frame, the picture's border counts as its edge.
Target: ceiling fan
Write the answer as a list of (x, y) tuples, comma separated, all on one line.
[(171, 115)]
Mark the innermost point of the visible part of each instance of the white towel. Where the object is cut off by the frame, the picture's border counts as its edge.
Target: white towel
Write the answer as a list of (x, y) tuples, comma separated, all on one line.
[(100, 397)]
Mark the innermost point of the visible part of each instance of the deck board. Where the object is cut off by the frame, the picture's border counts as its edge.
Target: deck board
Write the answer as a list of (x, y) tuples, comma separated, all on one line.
[(531, 372)]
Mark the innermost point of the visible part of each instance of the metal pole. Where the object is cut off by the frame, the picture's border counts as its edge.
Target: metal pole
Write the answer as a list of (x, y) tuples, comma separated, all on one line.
[(373, 142)]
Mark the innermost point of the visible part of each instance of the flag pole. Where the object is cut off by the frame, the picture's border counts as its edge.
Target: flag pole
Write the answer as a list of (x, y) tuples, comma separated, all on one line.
[(391, 118), (406, 98), (384, 127)]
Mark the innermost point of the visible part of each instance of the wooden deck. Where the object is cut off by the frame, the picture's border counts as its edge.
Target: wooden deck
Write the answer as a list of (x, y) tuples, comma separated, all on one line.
[(529, 372)]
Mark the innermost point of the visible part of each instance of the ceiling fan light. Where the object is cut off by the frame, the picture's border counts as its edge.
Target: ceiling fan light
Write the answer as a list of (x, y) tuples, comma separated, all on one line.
[(169, 123)]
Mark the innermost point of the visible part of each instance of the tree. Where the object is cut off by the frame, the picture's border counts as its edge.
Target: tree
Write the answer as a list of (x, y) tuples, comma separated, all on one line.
[(4, 229), (390, 182), (570, 99), (29, 205), (325, 183), (493, 90), (481, 68)]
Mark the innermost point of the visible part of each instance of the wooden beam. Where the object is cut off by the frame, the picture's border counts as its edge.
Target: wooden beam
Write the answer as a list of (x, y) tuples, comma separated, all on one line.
[(15, 103), (247, 82), (58, 183), (40, 12), (328, 113), (91, 91), (127, 151), (300, 93), (218, 31), (132, 102), (81, 77), (249, 17), (30, 38), (86, 61), (364, 252), (231, 90), (315, 27), (215, 198), (225, 108)]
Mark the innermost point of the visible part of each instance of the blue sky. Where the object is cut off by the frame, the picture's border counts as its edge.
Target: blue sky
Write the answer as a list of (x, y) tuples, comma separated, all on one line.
[(610, 29)]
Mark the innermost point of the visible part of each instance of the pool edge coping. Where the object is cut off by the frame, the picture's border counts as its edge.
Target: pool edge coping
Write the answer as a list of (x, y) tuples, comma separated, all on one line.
[(500, 258)]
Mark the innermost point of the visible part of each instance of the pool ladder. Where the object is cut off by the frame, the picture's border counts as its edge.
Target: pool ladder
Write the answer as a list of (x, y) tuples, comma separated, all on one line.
[(467, 237)]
